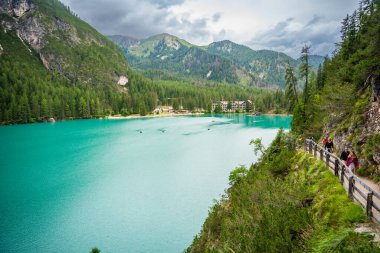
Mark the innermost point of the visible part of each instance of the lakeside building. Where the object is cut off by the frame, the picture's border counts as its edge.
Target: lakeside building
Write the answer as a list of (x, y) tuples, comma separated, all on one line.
[(163, 109), (232, 106)]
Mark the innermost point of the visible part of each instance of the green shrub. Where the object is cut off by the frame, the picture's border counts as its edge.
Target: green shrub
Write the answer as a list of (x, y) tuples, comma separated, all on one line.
[(372, 146), (95, 250), (345, 240), (237, 174), (366, 171)]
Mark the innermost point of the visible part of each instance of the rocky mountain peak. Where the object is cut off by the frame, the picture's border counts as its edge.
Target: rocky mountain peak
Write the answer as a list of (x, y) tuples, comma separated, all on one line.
[(223, 46), (172, 42)]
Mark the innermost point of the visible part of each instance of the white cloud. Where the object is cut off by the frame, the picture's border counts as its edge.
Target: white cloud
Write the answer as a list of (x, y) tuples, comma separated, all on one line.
[(269, 24)]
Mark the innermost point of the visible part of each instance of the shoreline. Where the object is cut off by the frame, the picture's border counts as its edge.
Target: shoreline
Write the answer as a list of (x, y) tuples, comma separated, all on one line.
[(278, 114), (136, 116)]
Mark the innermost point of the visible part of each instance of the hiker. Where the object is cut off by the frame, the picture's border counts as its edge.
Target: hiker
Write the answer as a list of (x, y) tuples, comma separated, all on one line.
[(325, 140), (329, 145), (352, 162), (345, 154)]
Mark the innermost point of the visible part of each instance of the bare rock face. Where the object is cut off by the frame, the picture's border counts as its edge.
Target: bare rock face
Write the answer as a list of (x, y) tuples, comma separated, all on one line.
[(32, 31), (123, 80), (45, 62), (372, 125), (20, 7)]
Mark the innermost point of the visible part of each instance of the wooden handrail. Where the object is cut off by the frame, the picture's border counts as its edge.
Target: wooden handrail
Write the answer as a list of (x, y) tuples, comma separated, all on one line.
[(342, 171)]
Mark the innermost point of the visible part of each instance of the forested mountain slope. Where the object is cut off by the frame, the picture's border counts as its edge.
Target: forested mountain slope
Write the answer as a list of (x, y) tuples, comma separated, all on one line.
[(221, 61), (167, 52), (54, 65)]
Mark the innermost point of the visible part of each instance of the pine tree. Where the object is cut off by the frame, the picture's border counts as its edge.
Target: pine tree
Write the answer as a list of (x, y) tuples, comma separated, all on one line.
[(82, 107), (344, 28), (291, 88), (319, 78), (305, 70), (44, 108)]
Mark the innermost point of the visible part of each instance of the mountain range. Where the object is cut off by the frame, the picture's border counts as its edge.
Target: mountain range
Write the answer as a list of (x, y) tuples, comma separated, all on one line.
[(222, 61)]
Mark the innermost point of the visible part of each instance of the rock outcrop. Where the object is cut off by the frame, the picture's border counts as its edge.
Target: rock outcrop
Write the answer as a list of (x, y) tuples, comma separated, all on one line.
[(123, 80), (16, 8), (20, 7), (32, 31), (359, 133)]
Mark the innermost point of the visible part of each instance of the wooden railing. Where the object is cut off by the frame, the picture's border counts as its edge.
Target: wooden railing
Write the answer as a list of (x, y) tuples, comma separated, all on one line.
[(356, 188)]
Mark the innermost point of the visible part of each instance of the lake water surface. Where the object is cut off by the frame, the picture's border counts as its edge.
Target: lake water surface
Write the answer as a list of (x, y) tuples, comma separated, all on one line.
[(136, 185)]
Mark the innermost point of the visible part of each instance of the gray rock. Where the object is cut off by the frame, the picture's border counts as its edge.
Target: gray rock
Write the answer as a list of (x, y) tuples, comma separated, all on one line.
[(376, 157), (20, 7), (32, 31)]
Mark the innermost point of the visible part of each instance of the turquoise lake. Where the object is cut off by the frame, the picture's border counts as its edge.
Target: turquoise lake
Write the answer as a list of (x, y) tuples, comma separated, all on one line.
[(135, 185)]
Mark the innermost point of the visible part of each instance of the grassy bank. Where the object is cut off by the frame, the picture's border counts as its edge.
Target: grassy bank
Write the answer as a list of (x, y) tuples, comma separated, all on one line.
[(287, 202)]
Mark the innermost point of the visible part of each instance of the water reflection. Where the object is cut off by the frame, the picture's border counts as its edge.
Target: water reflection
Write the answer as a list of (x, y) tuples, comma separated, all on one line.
[(262, 121)]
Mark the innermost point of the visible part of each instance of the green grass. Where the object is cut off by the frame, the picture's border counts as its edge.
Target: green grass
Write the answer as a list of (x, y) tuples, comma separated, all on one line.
[(300, 207)]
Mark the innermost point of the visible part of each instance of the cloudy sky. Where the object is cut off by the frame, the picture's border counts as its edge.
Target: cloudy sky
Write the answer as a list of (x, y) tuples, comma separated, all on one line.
[(281, 25)]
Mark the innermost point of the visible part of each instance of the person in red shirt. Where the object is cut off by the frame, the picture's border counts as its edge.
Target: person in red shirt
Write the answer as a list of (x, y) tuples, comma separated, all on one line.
[(352, 161), (325, 140)]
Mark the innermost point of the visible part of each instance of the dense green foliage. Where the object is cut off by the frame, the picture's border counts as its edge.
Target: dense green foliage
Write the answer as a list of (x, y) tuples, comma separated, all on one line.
[(286, 201), (343, 79), (339, 97)]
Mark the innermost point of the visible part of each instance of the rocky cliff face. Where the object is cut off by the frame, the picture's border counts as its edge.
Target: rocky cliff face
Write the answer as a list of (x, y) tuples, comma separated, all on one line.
[(363, 132), (63, 42)]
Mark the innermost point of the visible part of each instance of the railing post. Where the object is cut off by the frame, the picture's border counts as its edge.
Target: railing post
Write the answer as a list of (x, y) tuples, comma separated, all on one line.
[(369, 204), (321, 154), (328, 159), (350, 186), (336, 168), (315, 150), (342, 175), (310, 147)]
